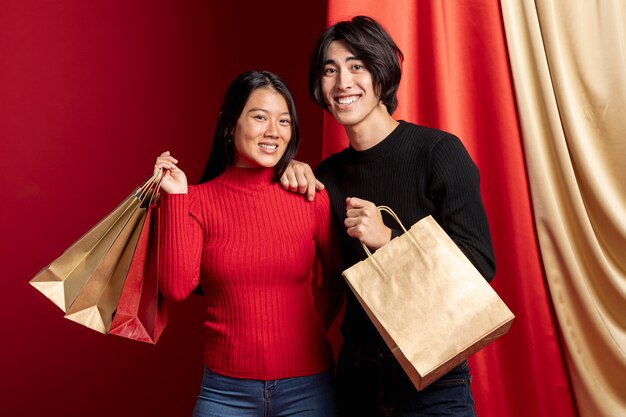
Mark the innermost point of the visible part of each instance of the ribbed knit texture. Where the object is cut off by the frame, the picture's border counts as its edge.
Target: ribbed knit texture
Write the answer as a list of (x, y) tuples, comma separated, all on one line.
[(417, 171), (254, 244)]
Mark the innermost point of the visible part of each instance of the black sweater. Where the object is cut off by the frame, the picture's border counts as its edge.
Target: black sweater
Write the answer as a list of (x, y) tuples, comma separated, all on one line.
[(417, 171)]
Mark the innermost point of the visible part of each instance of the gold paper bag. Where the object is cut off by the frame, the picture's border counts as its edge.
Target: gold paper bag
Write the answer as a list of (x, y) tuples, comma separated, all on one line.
[(95, 304), (63, 279), (430, 304)]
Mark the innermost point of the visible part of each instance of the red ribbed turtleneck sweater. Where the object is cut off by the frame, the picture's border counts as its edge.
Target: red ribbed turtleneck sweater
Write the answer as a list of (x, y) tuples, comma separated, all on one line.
[(254, 246)]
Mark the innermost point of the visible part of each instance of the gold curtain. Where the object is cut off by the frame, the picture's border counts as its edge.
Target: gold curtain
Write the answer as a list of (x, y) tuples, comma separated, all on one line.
[(568, 60)]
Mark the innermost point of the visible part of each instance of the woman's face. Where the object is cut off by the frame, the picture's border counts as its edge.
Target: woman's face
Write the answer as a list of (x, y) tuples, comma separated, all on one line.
[(263, 130)]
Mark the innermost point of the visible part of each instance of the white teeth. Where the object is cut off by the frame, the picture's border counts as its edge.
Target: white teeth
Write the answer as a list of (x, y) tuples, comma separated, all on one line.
[(347, 100), (270, 147)]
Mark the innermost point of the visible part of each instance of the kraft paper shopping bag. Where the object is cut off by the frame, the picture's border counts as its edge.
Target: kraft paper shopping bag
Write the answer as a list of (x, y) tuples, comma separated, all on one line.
[(427, 300)]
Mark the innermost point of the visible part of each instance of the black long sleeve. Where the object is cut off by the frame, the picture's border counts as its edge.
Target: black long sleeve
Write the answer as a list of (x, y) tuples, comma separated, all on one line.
[(417, 171)]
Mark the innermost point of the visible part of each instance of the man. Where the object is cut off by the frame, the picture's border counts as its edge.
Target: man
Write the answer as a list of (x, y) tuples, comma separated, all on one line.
[(354, 74)]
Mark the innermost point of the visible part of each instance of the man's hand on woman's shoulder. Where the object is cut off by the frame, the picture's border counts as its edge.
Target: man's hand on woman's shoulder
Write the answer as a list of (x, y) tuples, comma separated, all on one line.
[(298, 177)]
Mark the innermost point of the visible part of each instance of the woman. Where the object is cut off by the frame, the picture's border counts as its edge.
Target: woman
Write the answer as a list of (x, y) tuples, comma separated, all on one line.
[(251, 245)]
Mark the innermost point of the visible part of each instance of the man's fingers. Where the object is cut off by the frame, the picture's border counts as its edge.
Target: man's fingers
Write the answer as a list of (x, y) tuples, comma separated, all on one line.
[(351, 222), (310, 190), (351, 232), (303, 183), (355, 202), (356, 231), (298, 177), (284, 181), (288, 181), (364, 213), (313, 186)]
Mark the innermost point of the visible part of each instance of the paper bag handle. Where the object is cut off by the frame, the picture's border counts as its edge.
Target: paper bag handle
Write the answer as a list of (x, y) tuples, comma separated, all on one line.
[(150, 190), (390, 211)]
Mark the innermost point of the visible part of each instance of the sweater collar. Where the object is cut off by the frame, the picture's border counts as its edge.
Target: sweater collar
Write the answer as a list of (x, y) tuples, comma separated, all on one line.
[(380, 149), (248, 177)]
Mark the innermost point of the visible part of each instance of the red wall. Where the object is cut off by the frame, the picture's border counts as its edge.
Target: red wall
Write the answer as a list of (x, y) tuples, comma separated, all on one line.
[(90, 93)]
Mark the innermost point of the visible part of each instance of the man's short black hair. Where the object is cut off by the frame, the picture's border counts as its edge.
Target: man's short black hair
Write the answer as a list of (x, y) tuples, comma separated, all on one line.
[(370, 43)]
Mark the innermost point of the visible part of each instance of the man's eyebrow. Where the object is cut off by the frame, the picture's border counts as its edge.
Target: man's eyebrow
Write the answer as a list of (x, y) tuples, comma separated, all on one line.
[(350, 58)]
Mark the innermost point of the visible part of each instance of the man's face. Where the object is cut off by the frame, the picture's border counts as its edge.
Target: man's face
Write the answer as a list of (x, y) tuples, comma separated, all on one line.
[(347, 86)]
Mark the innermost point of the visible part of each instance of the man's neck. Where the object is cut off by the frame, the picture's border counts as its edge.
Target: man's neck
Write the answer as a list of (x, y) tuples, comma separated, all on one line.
[(371, 131)]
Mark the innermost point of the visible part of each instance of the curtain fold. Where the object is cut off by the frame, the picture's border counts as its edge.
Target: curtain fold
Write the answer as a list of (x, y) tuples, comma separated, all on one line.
[(569, 65), (456, 77)]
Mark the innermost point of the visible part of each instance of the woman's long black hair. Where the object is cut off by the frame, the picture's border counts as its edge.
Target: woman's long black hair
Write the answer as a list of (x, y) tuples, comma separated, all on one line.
[(223, 147)]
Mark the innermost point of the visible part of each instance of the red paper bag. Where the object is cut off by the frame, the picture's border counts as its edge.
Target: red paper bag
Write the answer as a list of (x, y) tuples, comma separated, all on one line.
[(142, 312)]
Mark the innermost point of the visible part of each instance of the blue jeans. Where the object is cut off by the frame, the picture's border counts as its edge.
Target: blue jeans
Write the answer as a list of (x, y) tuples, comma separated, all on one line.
[(371, 383), (306, 396)]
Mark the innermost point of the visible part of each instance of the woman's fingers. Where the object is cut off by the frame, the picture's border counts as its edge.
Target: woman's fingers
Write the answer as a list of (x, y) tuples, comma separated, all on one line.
[(166, 161)]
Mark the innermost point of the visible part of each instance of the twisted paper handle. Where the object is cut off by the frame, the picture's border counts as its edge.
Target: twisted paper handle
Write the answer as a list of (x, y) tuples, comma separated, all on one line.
[(150, 191), (390, 211)]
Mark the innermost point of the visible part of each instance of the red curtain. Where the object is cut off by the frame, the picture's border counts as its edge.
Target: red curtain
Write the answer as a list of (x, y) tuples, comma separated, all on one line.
[(456, 78)]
